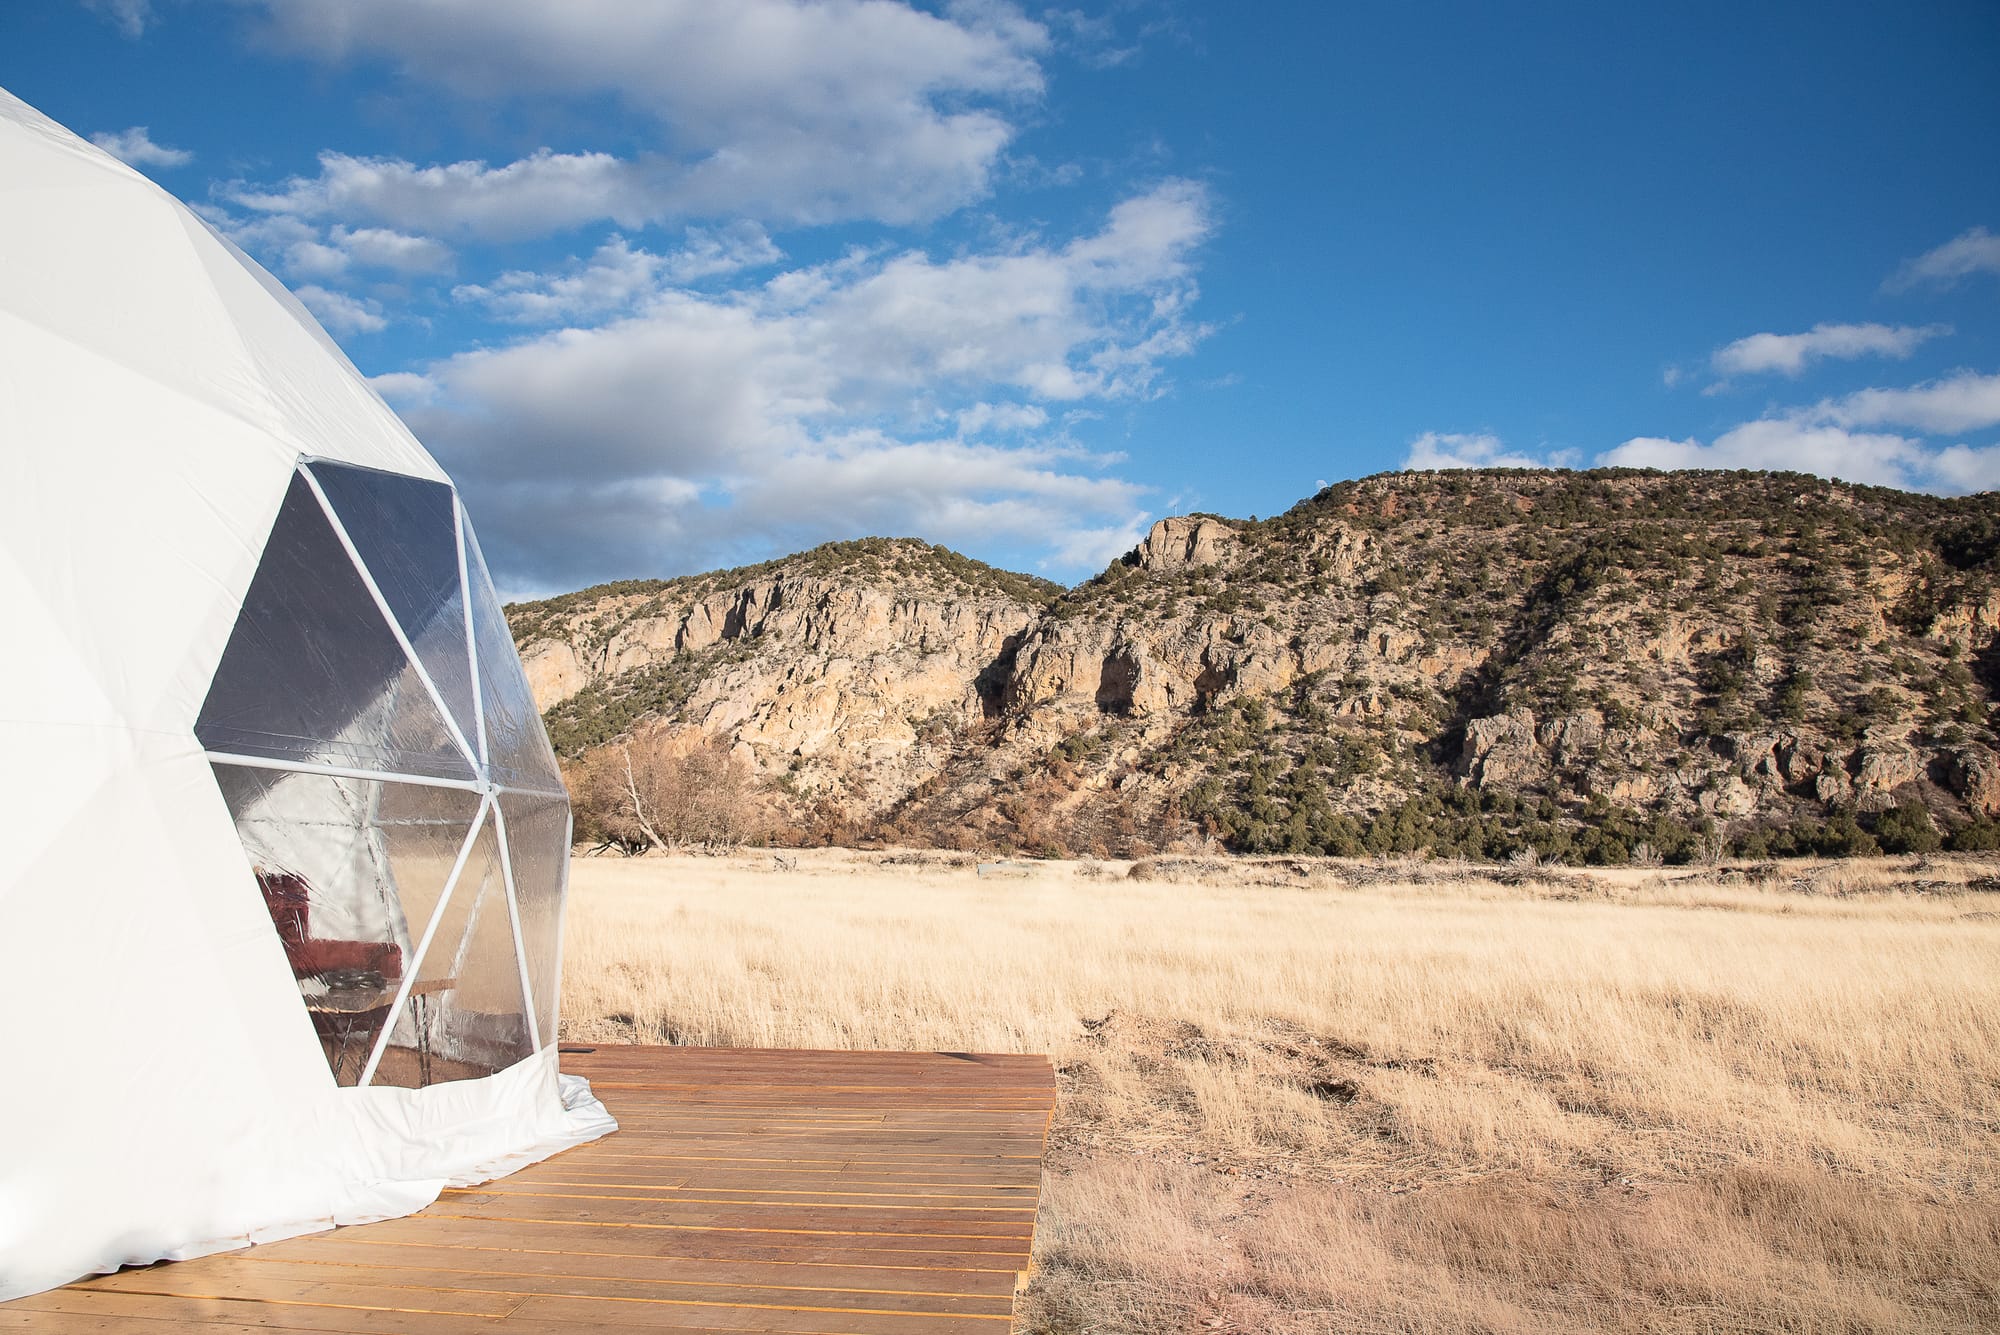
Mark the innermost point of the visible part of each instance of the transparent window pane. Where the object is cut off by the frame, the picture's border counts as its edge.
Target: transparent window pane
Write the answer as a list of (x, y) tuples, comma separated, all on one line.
[(321, 864), (406, 531), (538, 843), (465, 1017), (312, 673), (518, 750)]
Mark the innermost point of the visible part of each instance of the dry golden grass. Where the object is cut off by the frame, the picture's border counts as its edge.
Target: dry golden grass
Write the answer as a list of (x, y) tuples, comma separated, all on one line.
[(1289, 1102)]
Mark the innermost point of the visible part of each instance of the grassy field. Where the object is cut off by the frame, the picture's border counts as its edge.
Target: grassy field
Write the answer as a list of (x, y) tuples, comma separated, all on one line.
[(1307, 1096)]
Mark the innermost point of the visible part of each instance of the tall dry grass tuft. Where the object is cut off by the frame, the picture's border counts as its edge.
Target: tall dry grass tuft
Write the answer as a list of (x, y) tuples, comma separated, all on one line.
[(1621, 1103)]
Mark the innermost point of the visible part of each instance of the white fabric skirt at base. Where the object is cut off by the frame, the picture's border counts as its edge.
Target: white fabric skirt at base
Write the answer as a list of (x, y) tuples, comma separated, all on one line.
[(357, 1156)]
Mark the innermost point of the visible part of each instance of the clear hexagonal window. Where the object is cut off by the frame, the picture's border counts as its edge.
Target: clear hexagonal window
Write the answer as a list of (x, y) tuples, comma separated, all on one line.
[(374, 736)]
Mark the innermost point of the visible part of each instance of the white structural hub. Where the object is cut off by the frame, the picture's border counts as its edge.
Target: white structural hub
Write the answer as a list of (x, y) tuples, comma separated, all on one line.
[(285, 849)]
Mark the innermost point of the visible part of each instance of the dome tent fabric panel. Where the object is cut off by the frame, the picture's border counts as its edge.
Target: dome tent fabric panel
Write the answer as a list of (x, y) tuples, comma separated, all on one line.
[(157, 398)]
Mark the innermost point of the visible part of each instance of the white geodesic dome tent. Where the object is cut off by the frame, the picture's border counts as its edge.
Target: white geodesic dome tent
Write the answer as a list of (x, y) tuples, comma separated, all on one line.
[(284, 850)]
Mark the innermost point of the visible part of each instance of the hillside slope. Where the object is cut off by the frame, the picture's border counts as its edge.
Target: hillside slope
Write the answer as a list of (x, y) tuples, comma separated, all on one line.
[(1592, 665)]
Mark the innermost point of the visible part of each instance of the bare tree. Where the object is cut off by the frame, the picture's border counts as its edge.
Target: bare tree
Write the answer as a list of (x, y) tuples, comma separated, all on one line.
[(665, 791)]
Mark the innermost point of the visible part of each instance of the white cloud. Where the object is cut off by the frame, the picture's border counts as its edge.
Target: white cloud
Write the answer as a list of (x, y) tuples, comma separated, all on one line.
[(1789, 354), (546, 192), (405, 389), (304, 250), (725, 250), (1095, 548), (1965, 401), (982, 416), (610, 281), (1972, 252), (1967, 468), (341, 313), (976, 493), (775, 109), (381, 248), (617, 276), (1443, 449), (1827, 439), (1094, 39), (1094, 319), (1786, 444), (804, 408), (136, 148), (130, 17)]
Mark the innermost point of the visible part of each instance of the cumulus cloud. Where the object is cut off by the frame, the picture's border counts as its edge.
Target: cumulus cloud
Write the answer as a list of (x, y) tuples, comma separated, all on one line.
[(343, 249), (776, 109), (808, 406), (305, 250), (1965, 401), (1967, 468), (382, 248), (1786, 444), (1006, 417), (1971, 252), (543, 193), (136, 148), (618, 276), (405, 389), (1790, 354), (1829, 438), (1443, 449), (1876, 436), (340, 312)]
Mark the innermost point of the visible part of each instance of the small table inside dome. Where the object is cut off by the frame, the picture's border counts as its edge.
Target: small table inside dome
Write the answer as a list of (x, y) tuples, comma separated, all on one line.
[(352, 1003), (347, 1005), (420, 1004)]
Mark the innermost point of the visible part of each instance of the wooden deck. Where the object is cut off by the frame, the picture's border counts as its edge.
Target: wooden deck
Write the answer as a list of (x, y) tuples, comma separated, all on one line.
[(746, 1190)]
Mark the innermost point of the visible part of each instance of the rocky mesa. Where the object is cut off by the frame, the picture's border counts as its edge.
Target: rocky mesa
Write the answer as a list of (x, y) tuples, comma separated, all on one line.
[(1592, 666)]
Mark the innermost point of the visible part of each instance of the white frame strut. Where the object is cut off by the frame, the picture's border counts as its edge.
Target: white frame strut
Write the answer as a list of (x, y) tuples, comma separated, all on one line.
[(345, 771)]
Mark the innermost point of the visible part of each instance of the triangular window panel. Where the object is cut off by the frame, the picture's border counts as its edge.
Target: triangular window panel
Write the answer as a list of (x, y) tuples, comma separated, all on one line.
[(326, 864), (538, 844), (406, 530), (312, 672), (465, 1017), (518, 752)]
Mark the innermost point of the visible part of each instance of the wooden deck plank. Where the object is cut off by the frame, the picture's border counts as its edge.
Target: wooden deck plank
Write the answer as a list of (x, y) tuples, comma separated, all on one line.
[(413, 1287), (588, 1238), (587, 1314), (735, 1241), (813, 1193), (80, 1300), (650, 1268), (135, 1314)]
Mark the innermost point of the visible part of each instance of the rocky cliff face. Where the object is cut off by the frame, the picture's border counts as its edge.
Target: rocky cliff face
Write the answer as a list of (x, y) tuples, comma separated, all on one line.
[(836, 670), (1593, 665)]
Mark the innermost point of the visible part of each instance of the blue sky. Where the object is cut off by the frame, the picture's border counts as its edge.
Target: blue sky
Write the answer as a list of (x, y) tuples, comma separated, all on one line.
[(682, 283)]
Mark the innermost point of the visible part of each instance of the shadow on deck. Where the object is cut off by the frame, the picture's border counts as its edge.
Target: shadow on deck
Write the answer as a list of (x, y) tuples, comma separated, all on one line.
[(746, 1190)]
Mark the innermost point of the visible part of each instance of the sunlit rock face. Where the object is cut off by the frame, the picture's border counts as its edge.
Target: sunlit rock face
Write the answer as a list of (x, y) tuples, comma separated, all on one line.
[(1691, 651)]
